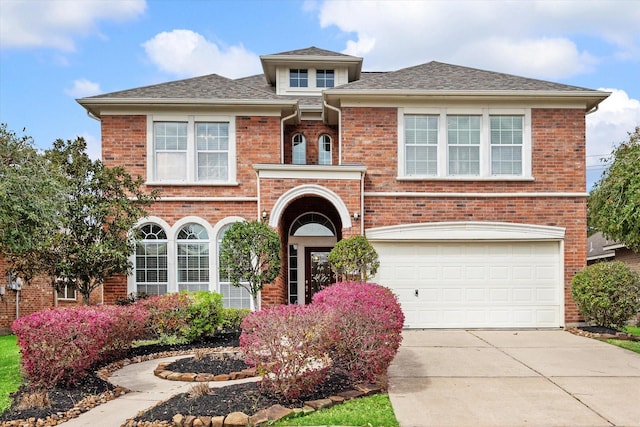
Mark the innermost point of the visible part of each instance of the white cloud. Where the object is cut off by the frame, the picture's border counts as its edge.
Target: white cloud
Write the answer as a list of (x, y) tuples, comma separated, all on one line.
[(609, 126), (55, 23), (185, 53), (530, 38), (82, 88)]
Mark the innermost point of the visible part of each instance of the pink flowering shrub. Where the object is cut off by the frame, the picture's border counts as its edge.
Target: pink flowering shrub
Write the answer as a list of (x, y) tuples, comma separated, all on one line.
[(366, 325), (59, 346), (168, 314), (288, 344)]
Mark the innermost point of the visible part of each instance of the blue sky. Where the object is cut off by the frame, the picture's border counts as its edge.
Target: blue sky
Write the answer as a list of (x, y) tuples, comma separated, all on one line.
[(54, 51)]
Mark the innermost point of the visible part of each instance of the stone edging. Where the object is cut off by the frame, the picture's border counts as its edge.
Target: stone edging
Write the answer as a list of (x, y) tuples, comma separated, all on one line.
[(262, 417), (163, 373), (91, 402), (617, 336)]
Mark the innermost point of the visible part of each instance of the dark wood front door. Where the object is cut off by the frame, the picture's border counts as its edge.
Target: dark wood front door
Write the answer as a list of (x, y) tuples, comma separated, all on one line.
[(318, 273)]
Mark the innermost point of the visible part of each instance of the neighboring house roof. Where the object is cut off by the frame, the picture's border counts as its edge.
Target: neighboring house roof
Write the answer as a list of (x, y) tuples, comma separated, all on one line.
[(598, 247)]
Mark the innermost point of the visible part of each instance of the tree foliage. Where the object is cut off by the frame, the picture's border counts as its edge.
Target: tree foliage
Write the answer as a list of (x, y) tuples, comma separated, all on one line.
[(614, 202), (102, 204), (31, 204), (250, 254), (354, 258)]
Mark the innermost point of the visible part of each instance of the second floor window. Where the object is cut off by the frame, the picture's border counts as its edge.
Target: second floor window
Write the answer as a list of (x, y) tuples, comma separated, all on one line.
[(324, 150), (324, 78), (299, 154), (463, 141), (198, 149), (298, 77)]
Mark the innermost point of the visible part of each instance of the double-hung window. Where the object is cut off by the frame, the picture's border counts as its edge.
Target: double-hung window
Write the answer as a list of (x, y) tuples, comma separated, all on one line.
[(191, 150), (464, 144), (151, 272), (506, 145), (170, 147), (193, 258), (421, 144)]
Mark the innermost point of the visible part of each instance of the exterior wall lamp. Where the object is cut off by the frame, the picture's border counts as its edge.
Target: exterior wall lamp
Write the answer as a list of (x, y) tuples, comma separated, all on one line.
[(356, 216), (265, 214)]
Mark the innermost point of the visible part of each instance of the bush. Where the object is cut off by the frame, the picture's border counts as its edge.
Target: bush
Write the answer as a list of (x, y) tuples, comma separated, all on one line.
[(60, 346), (354, 259), (607, 293), (204, 315), (365, 327), (168, 314), (232, 318), (288, 344)]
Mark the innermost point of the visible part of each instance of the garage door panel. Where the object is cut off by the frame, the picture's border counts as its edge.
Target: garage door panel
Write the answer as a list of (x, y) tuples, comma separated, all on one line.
[(470, 284)]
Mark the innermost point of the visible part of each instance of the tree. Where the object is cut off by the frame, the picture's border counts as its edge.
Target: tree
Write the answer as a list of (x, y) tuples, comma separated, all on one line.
[(250, 254), (31, 204), (354, 258), (614, 202), (102, 205)]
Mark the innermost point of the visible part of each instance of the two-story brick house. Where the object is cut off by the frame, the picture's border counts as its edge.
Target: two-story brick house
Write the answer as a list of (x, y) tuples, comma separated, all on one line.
[(470, 184)]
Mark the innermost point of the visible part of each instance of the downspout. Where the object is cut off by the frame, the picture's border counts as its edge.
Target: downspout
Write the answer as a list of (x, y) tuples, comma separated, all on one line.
[(284, 119), (337, 110), (362, 203)]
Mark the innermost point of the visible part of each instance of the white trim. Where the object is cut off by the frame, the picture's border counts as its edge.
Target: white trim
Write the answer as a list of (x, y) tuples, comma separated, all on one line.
[(206, 199), (310, 171), (306, 190), (485, 114), (465, 230), (131, 280), (613, 247), (469, 194), (191, 172), (603, 256)]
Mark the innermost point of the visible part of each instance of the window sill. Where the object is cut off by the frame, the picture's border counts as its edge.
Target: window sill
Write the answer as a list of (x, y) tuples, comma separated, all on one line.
[(191, 184), (465, 178)]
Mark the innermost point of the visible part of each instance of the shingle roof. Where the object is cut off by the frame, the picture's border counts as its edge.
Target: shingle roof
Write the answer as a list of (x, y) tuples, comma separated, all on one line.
[(309, 51), (211, 86), (434, 76)]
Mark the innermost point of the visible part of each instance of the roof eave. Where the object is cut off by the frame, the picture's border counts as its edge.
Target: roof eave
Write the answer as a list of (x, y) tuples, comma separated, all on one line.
[(591, 97), (94, 105)]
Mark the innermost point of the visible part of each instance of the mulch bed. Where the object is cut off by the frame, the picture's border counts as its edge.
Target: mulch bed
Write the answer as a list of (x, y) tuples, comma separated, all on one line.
[(63, 399)]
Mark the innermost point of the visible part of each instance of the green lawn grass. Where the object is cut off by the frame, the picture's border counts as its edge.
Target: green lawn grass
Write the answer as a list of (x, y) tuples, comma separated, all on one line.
[(10, 377), (629, 345), (372, 411), (633, 330)]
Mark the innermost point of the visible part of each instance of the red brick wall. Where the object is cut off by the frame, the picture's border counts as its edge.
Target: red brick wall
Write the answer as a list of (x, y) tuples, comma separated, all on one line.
[(630, 258), (311, 130)]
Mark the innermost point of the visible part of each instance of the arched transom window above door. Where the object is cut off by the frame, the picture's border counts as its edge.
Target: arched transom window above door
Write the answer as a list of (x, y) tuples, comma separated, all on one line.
[(312, 224)]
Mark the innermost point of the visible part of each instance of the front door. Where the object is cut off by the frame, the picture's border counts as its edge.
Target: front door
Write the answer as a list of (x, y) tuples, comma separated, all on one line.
[(318, 273)]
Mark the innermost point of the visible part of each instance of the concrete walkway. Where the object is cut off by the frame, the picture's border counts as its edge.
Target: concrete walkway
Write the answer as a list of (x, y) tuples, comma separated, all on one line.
[(513, 378), (146, 391)]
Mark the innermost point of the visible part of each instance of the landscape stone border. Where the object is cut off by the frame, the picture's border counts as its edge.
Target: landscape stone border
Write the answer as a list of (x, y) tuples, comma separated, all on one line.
[(600, 336), (262, 417), (165, 374)]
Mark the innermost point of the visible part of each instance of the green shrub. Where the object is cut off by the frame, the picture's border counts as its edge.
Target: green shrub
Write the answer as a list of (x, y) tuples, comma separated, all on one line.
[(204, 315), (607, 293), (232, 318), (354, 259)]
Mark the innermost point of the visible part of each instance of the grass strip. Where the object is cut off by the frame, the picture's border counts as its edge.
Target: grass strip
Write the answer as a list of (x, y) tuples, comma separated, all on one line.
[(10, 377), (629, 345), (371, 411)]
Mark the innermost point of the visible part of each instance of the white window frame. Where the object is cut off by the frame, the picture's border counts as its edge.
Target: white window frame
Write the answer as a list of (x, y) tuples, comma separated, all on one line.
[(485, 143), (294, 160), (191, 177), (321, 150), (65, 294)]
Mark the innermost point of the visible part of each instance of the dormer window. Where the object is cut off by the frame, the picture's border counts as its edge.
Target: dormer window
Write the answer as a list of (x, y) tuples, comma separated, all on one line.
[(298, 77), (324, 78)]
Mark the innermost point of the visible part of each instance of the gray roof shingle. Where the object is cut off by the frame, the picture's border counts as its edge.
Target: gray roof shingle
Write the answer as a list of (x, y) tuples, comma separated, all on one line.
[(310, 51), (436, 76), (211, 86)]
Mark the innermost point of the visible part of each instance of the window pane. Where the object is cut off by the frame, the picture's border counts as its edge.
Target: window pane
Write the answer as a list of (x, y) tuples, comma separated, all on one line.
[(170, 135), (324, 150), (324, 78), (213, 167), (299, 150), (298, 78), (171, 166)]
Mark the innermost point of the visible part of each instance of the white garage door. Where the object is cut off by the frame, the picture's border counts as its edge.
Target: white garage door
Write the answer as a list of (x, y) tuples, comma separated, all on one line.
[(469, 284)]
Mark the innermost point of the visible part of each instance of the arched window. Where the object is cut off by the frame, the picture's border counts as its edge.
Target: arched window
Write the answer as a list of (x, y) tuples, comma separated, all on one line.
[(232, 296), (312, 224), (151, 261), (193, 258), (299, 154), (324, 150)]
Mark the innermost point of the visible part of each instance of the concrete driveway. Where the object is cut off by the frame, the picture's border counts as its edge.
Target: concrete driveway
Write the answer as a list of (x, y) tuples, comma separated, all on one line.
[(513, 378)]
